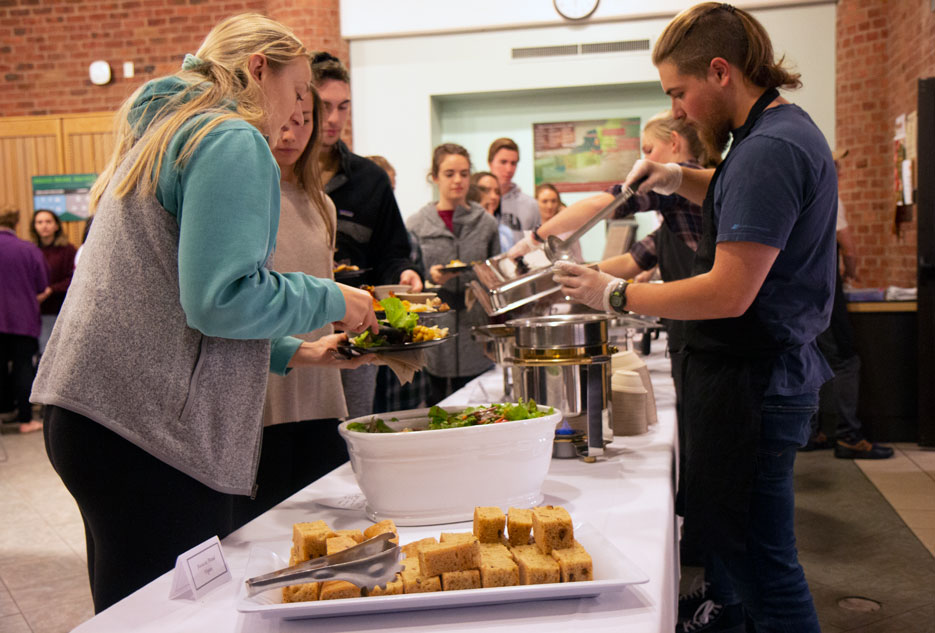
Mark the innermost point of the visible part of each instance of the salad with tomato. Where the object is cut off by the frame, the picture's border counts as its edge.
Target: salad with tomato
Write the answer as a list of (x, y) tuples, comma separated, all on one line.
[(472, 416)]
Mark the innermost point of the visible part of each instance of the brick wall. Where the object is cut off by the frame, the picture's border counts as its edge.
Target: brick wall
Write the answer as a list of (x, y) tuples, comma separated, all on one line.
[(46, 46), (883, 48)]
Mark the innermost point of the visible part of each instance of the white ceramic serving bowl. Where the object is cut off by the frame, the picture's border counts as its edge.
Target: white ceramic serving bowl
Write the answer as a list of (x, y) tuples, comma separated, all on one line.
[(382, 292), (433, 477)]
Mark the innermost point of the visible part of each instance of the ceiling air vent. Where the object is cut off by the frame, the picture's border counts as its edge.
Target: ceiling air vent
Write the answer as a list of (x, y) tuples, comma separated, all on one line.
[(624, 46), (545, 51)]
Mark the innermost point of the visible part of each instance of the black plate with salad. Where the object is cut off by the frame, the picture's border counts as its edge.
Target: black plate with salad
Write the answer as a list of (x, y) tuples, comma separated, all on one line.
[(439, 418), (400, 330)]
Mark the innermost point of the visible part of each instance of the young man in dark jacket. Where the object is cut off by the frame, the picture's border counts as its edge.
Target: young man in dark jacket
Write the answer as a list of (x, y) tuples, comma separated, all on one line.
[(370, 229)]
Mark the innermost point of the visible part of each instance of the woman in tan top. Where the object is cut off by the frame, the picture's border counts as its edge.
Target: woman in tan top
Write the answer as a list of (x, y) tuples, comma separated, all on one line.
[(303, 408)]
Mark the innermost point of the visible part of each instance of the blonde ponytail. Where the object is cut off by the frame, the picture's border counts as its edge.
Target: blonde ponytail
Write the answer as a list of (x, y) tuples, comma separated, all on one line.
[(220, 88)]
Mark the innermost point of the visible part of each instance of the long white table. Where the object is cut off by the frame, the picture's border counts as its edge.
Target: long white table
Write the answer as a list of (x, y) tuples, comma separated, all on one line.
[(627, 496)]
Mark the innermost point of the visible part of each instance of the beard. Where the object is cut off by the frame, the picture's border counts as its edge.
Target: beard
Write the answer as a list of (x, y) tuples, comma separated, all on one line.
[(715, 133)]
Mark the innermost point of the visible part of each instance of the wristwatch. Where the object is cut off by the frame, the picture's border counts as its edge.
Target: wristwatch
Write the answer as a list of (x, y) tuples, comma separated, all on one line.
[(618, 297), (536, 237)]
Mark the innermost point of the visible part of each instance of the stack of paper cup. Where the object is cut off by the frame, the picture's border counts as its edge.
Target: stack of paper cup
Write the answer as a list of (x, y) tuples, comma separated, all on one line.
[(629, 403), (629, 361)]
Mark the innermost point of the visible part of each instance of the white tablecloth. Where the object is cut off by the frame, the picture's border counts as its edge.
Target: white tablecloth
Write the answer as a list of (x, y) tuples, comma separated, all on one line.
[(627, 496)]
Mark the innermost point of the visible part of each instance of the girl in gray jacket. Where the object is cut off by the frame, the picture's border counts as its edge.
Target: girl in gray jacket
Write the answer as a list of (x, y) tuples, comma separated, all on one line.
[(453, 228)]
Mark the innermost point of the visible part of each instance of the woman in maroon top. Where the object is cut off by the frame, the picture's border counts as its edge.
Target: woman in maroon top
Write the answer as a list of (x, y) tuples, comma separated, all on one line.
[(60, 256)]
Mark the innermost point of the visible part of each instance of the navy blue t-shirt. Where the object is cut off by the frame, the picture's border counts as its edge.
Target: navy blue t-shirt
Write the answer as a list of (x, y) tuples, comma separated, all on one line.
[(778, 187)]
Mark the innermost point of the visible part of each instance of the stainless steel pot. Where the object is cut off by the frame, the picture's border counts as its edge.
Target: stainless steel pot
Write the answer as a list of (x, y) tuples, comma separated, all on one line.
[(564, 361), (580, 389), (561, 331)]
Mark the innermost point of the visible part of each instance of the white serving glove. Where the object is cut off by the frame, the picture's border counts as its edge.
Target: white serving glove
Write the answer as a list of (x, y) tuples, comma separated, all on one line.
[(525, 245), (585, 285), (664, 178)]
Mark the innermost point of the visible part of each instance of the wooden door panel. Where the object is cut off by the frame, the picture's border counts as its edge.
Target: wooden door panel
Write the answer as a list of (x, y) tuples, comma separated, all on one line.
[(88, 143), (29, 146)]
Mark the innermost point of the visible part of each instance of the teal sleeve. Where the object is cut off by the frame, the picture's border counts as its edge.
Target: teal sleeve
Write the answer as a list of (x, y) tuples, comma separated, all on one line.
[(226, 200), (281, 351)]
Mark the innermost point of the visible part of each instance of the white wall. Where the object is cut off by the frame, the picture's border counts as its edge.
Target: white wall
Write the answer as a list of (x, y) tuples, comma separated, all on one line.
[(475, 120), (362, 19), (410, 93)]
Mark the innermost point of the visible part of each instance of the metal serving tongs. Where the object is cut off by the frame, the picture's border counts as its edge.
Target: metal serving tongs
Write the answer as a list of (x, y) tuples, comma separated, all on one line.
[(557, 249), (373, 562)]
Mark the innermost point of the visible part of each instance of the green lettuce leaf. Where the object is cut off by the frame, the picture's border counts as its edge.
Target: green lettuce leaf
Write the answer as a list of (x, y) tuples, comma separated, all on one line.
[(397, 316)]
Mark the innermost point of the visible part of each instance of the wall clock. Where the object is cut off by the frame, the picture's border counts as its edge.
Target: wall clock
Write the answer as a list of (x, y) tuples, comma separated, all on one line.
[(575, 9), (99, 72)]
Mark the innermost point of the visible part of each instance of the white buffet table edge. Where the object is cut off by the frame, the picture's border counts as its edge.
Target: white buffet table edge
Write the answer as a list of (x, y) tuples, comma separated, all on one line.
[(628, 496)]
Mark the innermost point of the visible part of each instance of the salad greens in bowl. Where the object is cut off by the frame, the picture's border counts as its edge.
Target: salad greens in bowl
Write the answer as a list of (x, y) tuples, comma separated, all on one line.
[(439, 418), (430, 466)]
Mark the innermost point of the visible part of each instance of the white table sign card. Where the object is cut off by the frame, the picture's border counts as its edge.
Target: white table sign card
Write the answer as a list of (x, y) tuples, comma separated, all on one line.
[(199, 571)]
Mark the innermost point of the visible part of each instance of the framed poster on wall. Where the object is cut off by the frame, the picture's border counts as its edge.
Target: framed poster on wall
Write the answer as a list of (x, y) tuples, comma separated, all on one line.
[(585, 155), (66, 195)]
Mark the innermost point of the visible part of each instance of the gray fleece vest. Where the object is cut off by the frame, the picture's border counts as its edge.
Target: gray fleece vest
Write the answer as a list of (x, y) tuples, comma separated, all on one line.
[(123, 355)]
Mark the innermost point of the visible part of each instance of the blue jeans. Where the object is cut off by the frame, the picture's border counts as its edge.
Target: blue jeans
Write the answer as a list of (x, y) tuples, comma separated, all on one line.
[(768, 579)]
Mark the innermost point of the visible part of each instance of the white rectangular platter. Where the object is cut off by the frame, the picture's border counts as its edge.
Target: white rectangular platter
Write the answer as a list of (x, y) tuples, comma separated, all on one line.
[(612, 572)]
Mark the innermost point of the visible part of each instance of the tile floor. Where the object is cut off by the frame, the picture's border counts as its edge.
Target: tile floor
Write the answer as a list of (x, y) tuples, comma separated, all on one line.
[(852, 542), (907, 482)]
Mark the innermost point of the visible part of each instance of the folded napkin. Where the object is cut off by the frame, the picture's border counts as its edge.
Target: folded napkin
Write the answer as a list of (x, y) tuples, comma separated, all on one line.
[(404, 364), (894, 293)]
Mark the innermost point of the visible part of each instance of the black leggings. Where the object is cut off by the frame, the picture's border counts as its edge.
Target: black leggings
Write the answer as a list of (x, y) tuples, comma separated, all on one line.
[(294, 455), (139, 513)]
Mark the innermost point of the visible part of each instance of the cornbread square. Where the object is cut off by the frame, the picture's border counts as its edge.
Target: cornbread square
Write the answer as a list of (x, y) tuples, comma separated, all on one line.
[(494, 549), (301, 593), (382, 527), (454, 580), (519, 525), (456, 537), (393, 588), (489, 523), (574, 562), (414, 582), (412, 549), (337, 589), (498, 571), (308, 539), (411, 563), (552, 528), (337, 544), (535, 568), (357, 535), (458, 556)]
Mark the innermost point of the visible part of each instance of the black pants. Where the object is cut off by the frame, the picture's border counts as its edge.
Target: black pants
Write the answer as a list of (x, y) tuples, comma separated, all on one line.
[(17, 371), (293, 456), (139, 513)]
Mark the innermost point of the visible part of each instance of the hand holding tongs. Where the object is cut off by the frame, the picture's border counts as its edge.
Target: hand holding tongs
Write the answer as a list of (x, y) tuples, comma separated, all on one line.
[(558, 249), (373, 562)]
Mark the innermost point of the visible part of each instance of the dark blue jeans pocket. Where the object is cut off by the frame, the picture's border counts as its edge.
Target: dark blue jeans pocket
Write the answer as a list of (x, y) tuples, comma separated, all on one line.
[(785, 422)]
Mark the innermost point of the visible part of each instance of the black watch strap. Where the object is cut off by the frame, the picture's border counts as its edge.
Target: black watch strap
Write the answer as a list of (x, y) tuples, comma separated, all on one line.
[(536, 236), (618, 297)]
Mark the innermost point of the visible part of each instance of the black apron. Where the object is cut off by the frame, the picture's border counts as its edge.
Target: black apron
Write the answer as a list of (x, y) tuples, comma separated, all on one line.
[(726, 371), (676, 260)]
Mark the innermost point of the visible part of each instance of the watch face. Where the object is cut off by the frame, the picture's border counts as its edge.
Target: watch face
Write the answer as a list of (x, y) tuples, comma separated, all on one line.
[(575, 9)]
